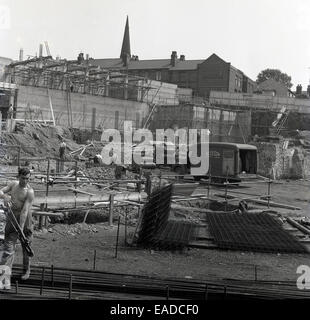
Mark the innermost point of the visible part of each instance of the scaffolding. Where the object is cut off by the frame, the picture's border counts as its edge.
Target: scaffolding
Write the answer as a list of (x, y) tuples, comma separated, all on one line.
[(264, 110), (75, 76), (224, 124)]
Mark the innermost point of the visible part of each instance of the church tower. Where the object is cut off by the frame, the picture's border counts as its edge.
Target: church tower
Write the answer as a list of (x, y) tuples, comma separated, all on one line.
[(125, 52)]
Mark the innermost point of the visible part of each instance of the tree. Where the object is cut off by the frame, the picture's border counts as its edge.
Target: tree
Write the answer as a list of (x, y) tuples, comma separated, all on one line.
[(275, 74)]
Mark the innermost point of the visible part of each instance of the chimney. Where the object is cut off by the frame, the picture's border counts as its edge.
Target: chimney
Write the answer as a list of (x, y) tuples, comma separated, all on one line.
[(174, 58), (182, 57), (298, 89), (80, 58), (87, 56), (134, 58), (21, 54), (308, 90), (40, 50)]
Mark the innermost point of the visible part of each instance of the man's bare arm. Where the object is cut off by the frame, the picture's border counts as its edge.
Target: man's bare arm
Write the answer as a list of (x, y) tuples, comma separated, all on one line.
[(26, 208), (4, 191)]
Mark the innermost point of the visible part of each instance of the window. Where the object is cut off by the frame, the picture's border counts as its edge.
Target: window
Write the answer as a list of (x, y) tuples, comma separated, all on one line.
[(237, 82), (158, 75)]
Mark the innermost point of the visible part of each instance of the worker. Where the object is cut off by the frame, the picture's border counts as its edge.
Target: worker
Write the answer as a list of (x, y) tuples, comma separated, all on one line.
[(62, 154), (114, 157), (98, 159), (62, 150), (10, 112), (19, 196)]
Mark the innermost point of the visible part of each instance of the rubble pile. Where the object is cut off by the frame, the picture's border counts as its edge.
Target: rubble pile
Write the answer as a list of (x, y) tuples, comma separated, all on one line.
[(70, 230), (37, 140), (105, 172)]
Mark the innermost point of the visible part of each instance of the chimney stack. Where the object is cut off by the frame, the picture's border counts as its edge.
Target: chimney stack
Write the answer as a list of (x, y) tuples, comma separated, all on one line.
[(308, 90), (40, 50), (21, 54), (134, 58), (182, 57), (298, 89), (80, 58), (174, 58)]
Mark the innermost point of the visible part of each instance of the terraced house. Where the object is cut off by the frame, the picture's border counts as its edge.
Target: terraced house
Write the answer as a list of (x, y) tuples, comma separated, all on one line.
[(201, 75)]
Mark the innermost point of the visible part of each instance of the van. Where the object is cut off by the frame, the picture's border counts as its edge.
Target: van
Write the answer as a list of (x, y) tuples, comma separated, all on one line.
[(231, 161)]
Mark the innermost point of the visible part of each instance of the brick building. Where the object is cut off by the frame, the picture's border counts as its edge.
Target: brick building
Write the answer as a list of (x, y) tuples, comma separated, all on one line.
[(201, 76)]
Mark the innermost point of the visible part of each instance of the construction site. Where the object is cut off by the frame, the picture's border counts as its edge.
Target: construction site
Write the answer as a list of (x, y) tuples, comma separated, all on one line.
[(154, 231)]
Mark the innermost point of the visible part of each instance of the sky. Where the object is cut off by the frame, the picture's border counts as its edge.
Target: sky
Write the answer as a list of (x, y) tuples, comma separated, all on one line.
[(251, 35)]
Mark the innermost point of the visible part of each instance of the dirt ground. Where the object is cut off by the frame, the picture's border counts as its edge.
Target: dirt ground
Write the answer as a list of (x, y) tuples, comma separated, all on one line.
[(56, 246), (291, 192), (73, 246)]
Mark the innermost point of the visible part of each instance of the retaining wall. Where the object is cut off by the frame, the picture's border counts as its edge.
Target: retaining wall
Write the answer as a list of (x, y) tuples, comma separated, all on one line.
[(88, 111)]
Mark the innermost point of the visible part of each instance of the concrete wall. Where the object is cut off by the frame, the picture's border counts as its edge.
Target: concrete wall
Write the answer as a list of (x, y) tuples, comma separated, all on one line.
[(159, 92), (307, 164), (228, 126), (87, 110), (223, 125), (260, 101)]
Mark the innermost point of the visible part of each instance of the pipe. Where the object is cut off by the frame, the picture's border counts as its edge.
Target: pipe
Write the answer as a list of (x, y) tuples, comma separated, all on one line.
[(298, 226)]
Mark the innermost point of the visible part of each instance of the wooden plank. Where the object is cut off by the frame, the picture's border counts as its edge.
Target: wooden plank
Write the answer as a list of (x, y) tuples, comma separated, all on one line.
[(81, 191), (47, 214), (111, 208), (274, 204), (298, 226), (202, 245), (193, 209), (200, 238), (263, 202), (131, 202), (190, 198)]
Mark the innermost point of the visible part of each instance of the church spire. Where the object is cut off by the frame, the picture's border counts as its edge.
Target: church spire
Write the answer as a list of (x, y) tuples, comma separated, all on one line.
[(125, 52)]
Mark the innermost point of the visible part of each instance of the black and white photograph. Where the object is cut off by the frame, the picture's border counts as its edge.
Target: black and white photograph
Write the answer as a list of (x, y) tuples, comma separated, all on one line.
[(154, 154)]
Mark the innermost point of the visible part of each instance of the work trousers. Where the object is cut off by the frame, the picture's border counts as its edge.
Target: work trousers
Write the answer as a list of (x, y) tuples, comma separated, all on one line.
[(8, 247)]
